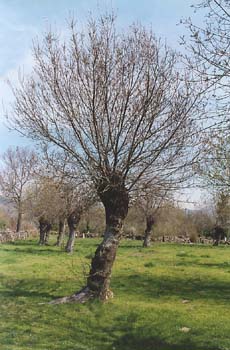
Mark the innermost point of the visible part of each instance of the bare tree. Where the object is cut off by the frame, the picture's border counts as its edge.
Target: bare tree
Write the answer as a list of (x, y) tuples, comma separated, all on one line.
[(150, 199), (208, 53), (75, 195), (17, 171), (214, 167), (76, 199), (44, 205), (121, 106), (61, 231)]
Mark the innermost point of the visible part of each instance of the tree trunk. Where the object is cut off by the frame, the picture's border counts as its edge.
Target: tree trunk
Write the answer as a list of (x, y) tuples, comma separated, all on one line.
[(73, 221), (61, 232), (19, 221), (42, 230), (47, 233), (216, 241), (115, 199), (148, 231)]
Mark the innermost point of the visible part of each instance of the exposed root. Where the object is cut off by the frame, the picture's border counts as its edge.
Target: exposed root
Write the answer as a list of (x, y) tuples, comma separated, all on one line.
[(81, 297), (84, 295)]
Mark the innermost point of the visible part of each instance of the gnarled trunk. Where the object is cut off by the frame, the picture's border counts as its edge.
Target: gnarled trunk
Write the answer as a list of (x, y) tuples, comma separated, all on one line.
[(61, 232), (115, 198), (148, 231), (73, 221), (44, 229), (19, 221), (47, 233)]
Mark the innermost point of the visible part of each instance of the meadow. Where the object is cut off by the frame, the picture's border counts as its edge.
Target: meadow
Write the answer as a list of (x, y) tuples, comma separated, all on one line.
[(167, 297)]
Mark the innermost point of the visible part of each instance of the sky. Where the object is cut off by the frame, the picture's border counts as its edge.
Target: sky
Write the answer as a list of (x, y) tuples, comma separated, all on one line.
[(21, 21)]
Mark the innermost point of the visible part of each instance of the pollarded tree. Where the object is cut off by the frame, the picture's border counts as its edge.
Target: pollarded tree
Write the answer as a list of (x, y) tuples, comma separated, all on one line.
[(121, 106), (75, 195), (17, 172), (44, 205), (75, 200), (150, 200)]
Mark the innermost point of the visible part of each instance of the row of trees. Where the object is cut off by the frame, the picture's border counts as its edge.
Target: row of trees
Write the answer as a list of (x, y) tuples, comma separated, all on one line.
[(50, 199)]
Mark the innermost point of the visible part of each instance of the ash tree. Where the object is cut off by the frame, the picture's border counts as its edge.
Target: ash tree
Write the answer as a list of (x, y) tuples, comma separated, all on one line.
[(75, 195), (150, 199), (76, 199), (43, 205), (17, 172), (123, 109)]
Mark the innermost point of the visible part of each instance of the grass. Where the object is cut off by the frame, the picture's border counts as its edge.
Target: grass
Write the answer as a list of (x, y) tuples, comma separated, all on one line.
[(168, 297)]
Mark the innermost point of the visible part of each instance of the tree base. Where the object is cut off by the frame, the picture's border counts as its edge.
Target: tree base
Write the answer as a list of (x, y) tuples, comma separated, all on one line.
[(81, 297), (68, 250)]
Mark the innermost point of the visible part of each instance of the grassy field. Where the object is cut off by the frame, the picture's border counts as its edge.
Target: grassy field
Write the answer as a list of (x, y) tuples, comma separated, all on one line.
[(168, 297)]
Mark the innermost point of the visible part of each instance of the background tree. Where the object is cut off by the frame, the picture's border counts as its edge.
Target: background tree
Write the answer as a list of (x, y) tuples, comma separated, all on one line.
[(77, 199), (44, 205), (93, 220), (223, 209), (18, 168), (149, 200), (119, 107), (214, 166)]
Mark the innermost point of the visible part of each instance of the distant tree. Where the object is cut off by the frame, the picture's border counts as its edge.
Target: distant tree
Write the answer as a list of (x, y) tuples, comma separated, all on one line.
[(223, 209), (149, 200), (122, 108), (214, 168), (43, 205), (76, 200), (218, 234), (93, 220), (18, 168), (203, 221)]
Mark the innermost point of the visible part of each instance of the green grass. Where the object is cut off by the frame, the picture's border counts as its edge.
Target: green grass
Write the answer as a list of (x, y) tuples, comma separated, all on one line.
[(168, 297)]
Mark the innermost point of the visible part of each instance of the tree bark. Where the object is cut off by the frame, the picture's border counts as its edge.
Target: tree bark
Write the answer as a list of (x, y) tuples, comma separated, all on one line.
[(19, 221), (42, 230), (115, 200), (148, 231), (73, 221), (47, 233), (61, 232)]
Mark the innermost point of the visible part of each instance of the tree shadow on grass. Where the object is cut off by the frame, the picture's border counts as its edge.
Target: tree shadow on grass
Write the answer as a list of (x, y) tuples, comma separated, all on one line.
[(34, 289), (138, 342), (148, 286), (32, 247), (34, 250), (223, 265), (151, 336)]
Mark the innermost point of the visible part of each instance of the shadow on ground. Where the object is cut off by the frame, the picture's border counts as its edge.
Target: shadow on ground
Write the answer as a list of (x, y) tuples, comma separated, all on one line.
[(136, 342), (184, 287)]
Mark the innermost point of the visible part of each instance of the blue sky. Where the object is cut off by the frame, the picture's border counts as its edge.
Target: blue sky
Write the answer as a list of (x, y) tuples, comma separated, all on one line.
[(23, 20)]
